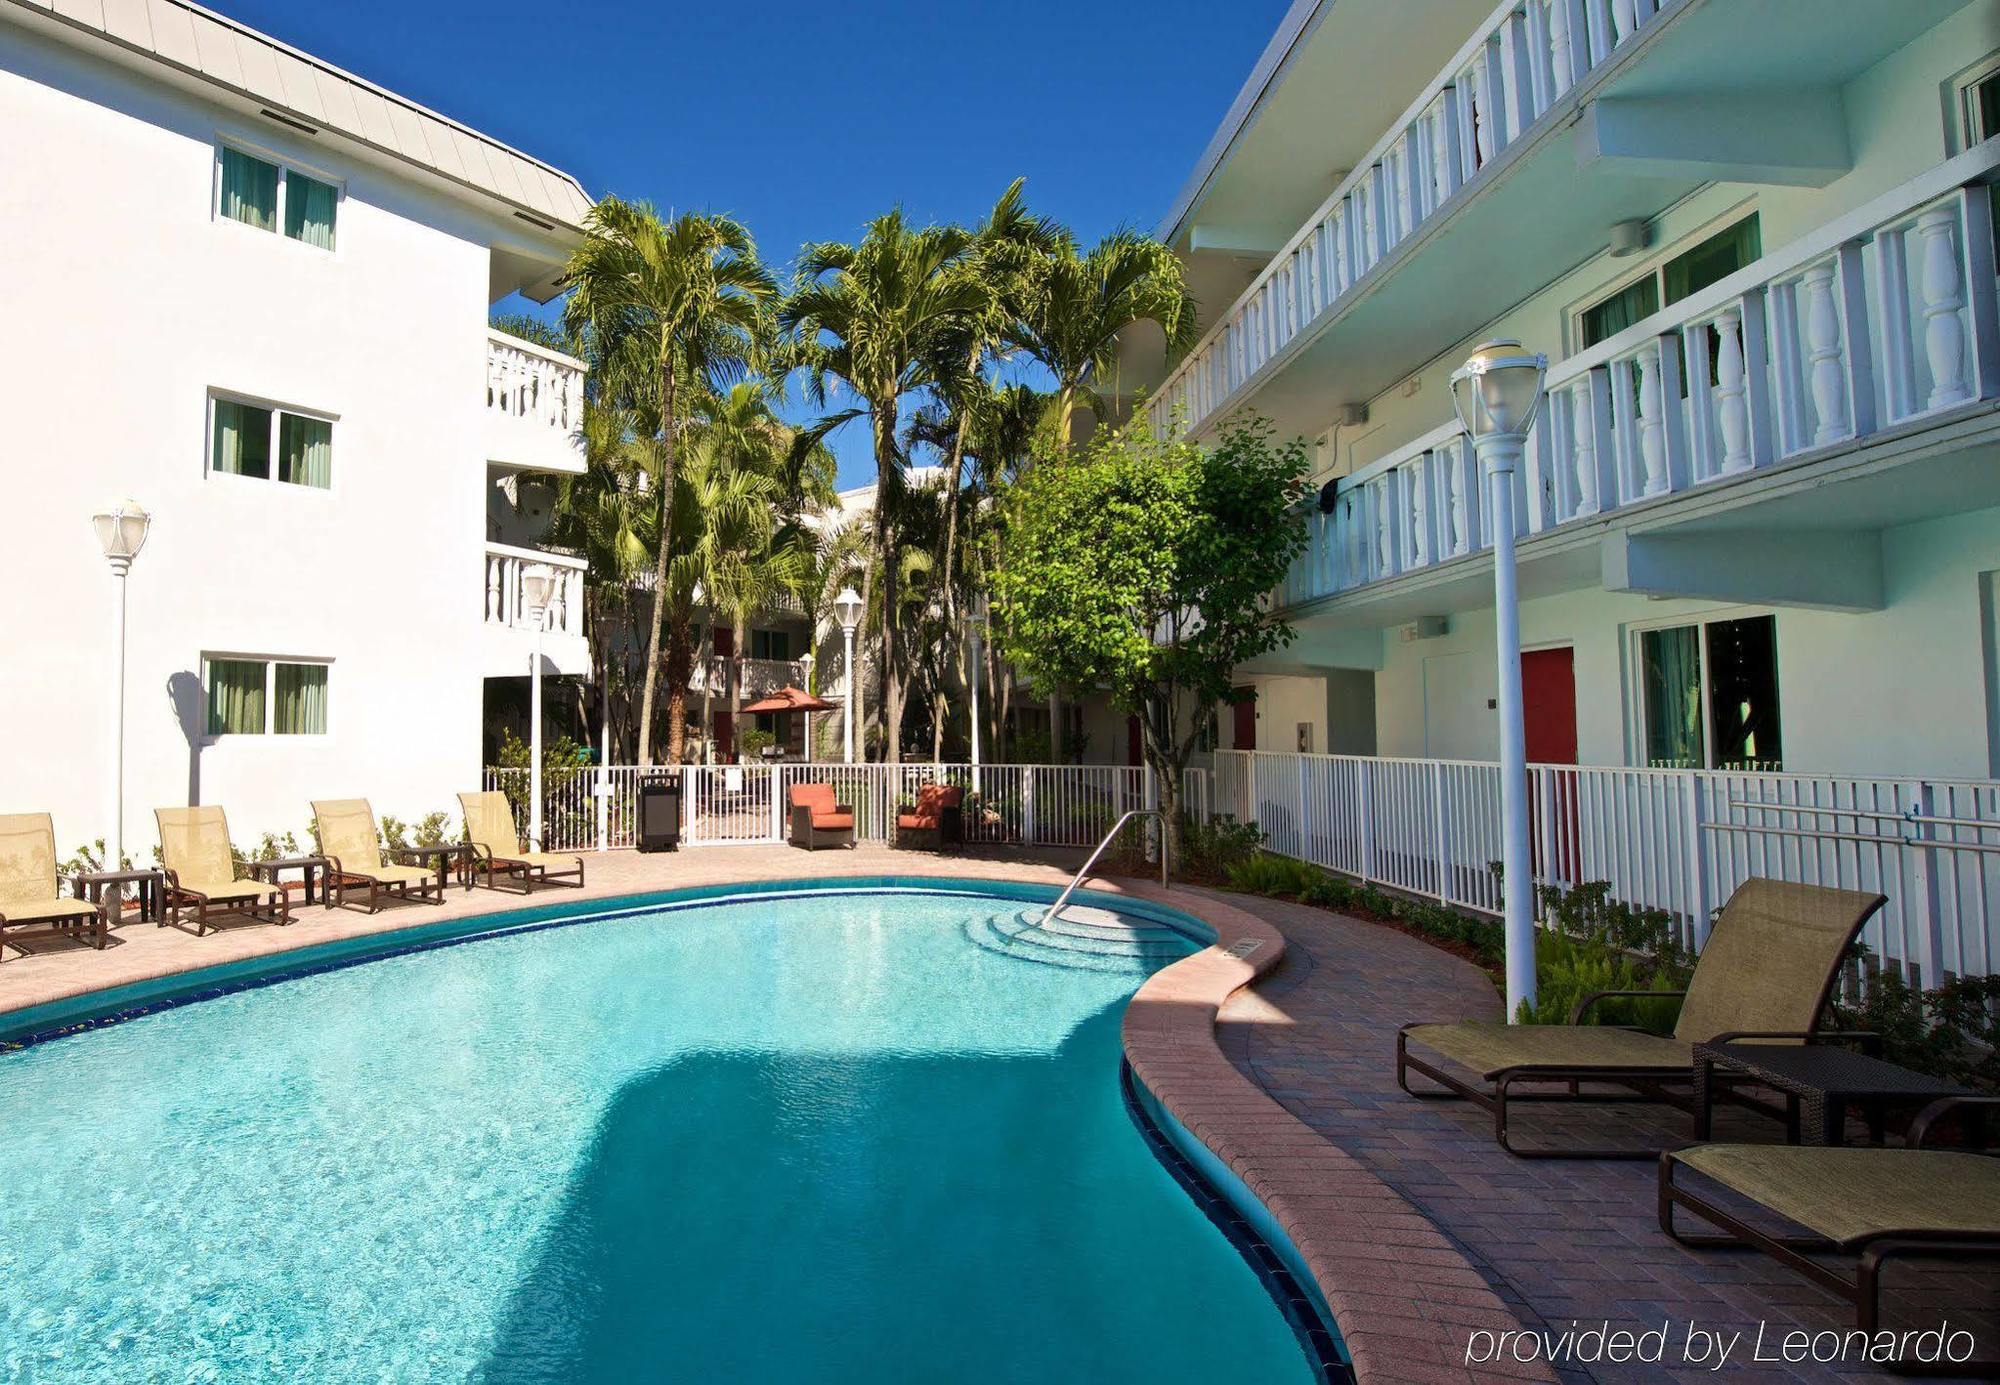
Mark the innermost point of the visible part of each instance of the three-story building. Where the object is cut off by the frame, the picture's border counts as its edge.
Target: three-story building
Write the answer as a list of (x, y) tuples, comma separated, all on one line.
[(250, 291)]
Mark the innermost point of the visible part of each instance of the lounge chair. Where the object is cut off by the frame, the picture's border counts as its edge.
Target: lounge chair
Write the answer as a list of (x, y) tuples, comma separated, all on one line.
[(31, 889), (1875, 1205), (935, 822), (1766, 972), (201, 873), (489, 830), (353, 852), (817, 820)]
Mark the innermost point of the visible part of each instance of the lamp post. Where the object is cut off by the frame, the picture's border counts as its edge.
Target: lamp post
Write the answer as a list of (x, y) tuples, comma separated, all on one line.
[(121, 533), (847, 610), (975, 624), (538, 584), (807, 659), (1497, 394)]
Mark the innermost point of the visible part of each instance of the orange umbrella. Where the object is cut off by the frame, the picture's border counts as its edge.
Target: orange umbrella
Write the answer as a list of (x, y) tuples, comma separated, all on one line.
[(789, 699)]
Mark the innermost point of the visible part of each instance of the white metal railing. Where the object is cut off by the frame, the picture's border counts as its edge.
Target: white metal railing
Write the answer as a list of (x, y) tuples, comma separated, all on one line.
[(1677, 840), (1524, 59), (533, 383), (1882, 317), (1024, 805), (506, 603)]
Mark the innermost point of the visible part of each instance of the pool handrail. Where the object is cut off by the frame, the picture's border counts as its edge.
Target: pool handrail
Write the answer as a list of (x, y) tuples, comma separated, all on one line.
[(1109, 837)]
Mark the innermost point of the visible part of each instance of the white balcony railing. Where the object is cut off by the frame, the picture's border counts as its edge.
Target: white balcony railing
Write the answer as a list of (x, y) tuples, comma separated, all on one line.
[(754, 677), (534, 404), (1520, 62), (1670, 839), (506, 604), (1874, 321)]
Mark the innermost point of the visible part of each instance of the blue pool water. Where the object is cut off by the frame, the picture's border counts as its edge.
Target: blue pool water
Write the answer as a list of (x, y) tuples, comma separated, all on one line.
[(852, 1137)]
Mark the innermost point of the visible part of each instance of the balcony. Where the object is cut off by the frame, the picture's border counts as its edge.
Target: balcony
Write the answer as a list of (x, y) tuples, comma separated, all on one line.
[(510, 631), (1878, 326), (1511, 156), (534, 406), (754, 677)]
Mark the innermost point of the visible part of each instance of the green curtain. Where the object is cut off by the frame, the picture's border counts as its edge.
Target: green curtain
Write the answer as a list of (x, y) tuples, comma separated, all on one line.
[(300, 704), (235, 697), (242, 439), (1638, 299), (249, 190), (305, 451), (1671, 677), (1714, 260), (309, 207)]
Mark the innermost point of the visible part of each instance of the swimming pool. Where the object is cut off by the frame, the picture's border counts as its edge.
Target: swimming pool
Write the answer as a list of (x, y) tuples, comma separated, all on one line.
[(855, 1135)]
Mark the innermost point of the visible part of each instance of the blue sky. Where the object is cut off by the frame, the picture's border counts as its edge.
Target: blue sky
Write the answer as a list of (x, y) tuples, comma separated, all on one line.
[(805, 119)]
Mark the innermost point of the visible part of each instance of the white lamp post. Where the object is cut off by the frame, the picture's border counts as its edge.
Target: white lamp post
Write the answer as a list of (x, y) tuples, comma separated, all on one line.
[(538, 587), (1497, 393), (847, 610), (121, 533), (975, 624), (807, 659)]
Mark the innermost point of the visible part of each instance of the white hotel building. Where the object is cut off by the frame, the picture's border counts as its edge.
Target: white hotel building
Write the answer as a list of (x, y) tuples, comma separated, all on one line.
[(250, 291), (1757, 523)]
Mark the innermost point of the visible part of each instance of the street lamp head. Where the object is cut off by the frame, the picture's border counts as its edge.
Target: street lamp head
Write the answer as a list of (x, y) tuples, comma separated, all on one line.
[(121, 532), (976, 613), (538, 589), (1499, 390), (847, 609)]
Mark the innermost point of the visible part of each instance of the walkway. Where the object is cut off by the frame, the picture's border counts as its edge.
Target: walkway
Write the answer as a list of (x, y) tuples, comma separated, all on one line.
[(1561, 1241)]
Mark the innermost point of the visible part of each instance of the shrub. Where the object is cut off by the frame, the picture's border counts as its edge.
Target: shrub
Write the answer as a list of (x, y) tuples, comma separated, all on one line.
[(1950, 1031), (1210, 850)]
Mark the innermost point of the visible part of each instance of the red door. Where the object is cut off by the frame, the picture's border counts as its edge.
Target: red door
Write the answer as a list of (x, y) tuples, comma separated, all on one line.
[(1548, 716), (1245, 703), (1135, 751), (724, 639)]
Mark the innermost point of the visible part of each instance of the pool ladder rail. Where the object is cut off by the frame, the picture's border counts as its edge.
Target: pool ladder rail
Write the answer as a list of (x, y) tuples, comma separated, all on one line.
[(1109, 837)]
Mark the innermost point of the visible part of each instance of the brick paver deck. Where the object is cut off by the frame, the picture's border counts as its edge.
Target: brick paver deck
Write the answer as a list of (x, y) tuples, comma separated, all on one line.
[(1561, 1241)]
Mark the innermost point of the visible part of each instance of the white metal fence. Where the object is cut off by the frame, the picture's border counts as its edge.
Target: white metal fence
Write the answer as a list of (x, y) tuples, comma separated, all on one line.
[(1026, 805), (1678, 840)]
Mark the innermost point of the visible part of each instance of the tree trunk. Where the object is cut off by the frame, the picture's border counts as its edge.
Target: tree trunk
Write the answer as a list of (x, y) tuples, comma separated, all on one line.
[(885, 556), (670, 465), (1065, 411), (679, 659)]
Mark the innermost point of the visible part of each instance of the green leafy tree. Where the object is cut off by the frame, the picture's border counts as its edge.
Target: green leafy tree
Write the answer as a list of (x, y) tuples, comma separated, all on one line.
[(1144, 566), (677, 310)]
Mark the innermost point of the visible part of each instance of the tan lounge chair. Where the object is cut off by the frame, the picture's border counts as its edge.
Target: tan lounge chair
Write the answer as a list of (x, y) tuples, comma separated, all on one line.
[(31, 891), (1875, 1205), (497, 850), (201, 873), (1765, 973), (353, 852)]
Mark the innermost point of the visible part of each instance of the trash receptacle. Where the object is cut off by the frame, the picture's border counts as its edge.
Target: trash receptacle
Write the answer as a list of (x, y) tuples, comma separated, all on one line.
[(660, 812)]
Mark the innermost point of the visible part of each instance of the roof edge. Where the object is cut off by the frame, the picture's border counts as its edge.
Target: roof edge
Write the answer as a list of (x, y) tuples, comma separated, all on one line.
[(1299, 21)]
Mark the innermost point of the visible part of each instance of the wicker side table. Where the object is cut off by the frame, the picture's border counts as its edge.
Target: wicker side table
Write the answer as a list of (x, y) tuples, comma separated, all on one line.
[(1821, 1082)]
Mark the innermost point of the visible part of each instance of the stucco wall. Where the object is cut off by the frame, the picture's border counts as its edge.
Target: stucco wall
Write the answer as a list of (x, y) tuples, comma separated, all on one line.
[(1901, 691), (128, 301)]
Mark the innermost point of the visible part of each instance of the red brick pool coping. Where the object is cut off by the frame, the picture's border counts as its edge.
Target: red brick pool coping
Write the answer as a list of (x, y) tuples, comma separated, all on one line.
[(1404, 1297)]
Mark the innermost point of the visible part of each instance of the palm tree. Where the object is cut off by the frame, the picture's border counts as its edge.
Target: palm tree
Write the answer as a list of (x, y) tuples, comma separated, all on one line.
[(680, 309), (1081, 303), (872, 318), (735, 550)]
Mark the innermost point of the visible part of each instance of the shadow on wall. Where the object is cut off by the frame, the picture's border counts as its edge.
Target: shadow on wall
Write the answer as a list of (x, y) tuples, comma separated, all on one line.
[(851, 1217), (185, 697)]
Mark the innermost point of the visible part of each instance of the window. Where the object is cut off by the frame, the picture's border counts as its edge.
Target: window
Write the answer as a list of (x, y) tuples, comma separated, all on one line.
[(267, 195), (264, 697), (770, 644), (1712, 259), (1708, 695), (247, 439)]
